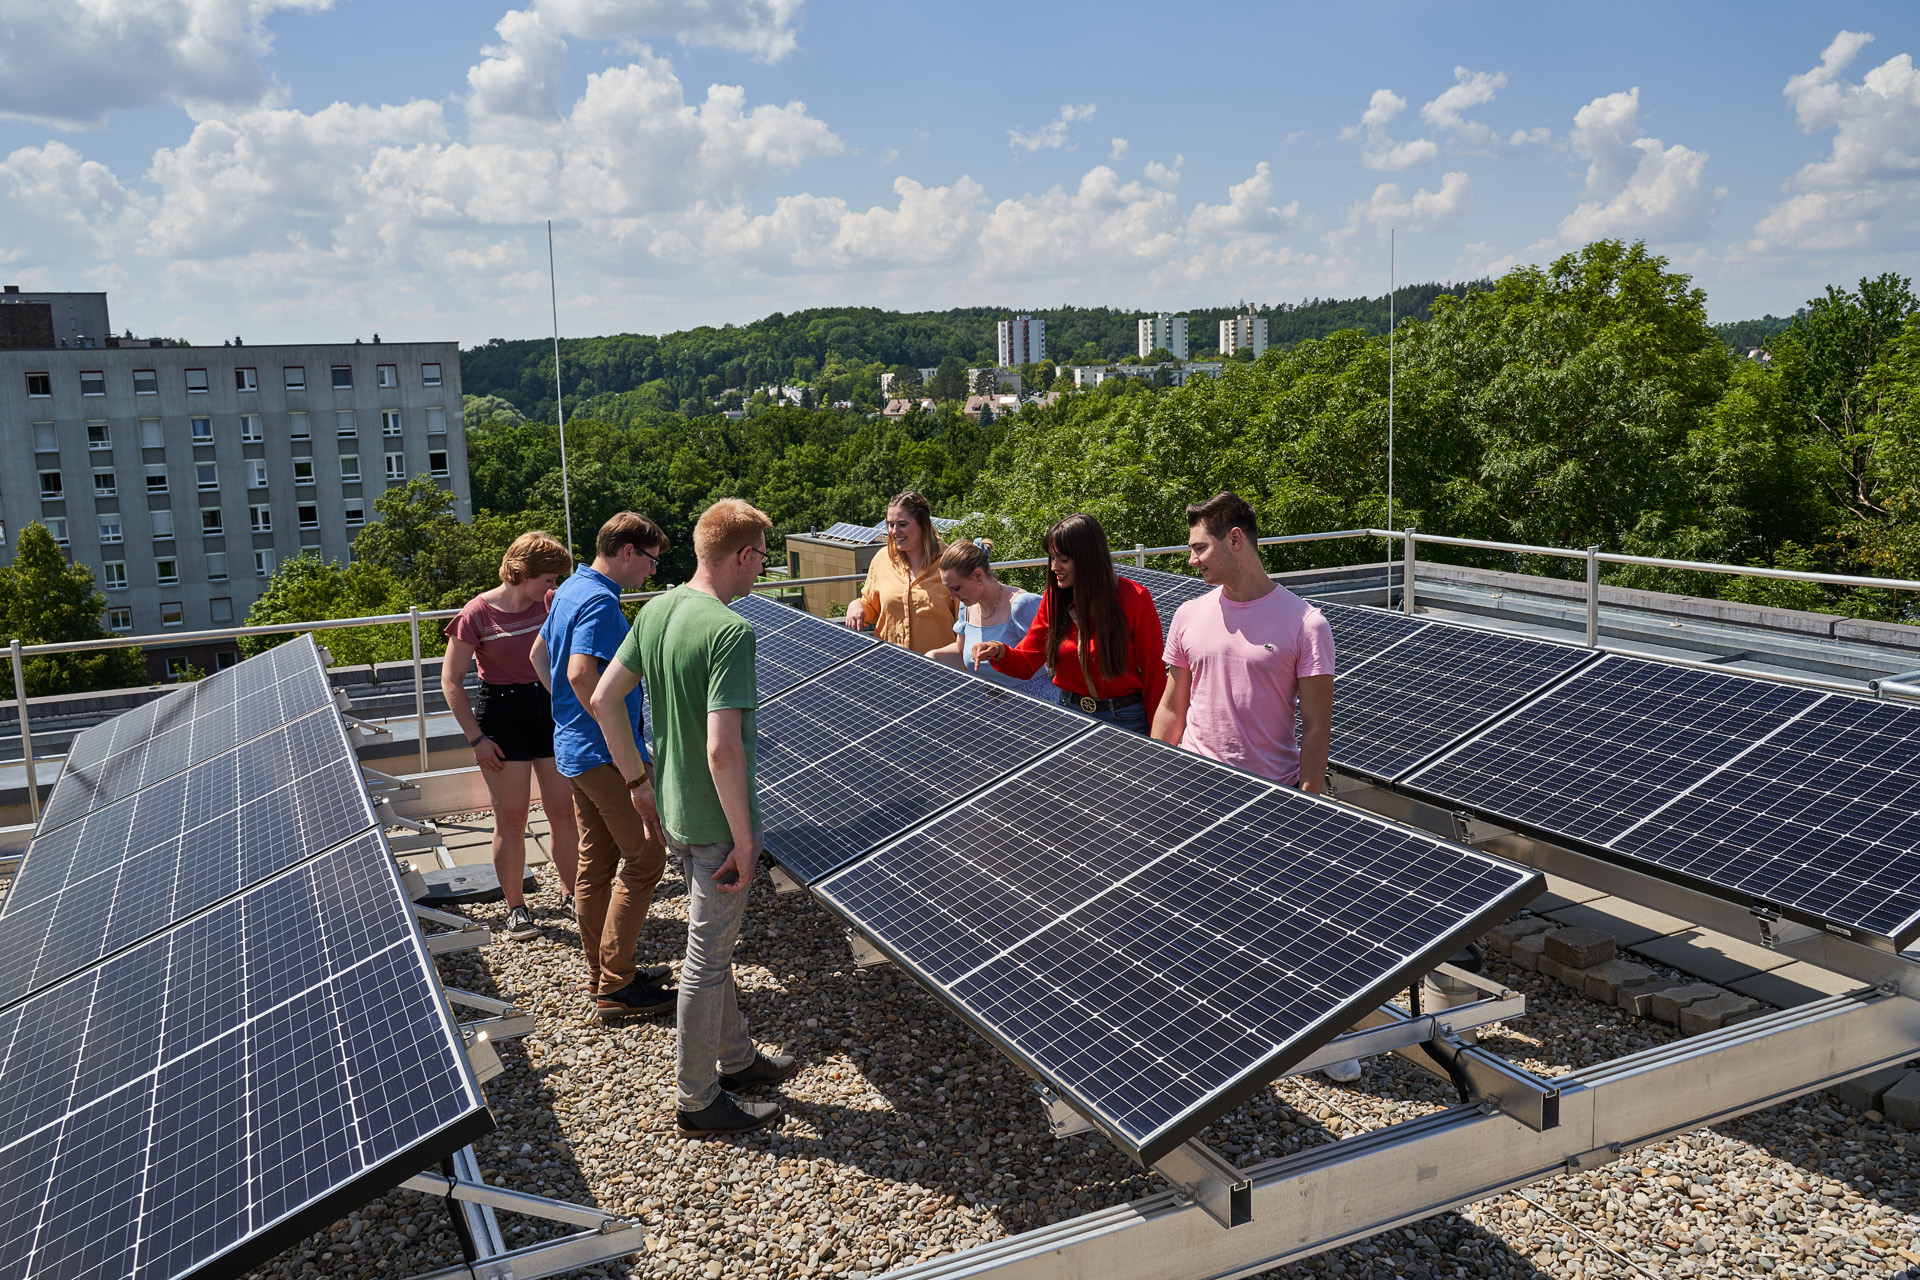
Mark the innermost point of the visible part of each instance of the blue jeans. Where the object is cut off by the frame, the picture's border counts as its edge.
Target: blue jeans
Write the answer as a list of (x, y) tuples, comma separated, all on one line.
[(1133, 718), (712, 1033)]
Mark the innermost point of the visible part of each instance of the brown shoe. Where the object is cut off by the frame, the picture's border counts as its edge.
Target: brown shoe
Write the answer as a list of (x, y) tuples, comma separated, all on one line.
[(637, 999)]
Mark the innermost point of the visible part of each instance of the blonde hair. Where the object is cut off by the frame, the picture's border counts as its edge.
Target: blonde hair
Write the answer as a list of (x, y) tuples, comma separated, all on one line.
[(966, 558), (727, 526), (915, 504), (532, 554)]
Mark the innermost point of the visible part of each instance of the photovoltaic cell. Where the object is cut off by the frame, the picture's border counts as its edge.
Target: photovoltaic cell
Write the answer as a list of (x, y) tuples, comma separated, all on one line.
[(207, 1096), (1155, 935), (1360, 632), (865, 750), (1410, 700), (120, 756), (130, 869), (1169, 590), (1609, 746), (791, 644)]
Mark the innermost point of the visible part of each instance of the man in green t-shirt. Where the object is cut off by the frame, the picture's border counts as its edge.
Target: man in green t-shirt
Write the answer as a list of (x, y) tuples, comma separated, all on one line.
[(696, 656)]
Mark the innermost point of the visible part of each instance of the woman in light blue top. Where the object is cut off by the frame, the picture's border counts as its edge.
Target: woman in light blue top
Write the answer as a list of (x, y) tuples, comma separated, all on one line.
[(990, 609)]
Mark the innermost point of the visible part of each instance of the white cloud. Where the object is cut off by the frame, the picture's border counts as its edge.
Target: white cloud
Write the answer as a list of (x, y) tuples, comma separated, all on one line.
[(1447, 112), (1120, 149), (763, 28), (1637, 187), (1863, 192), (1423, 210), (70, 63), (1247, 210), (1380, 151), (1051, 137)]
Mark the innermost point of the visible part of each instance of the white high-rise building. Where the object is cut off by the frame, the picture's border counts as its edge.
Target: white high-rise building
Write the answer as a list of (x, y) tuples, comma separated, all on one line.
[(1163, 330), (1244, 331), (1023, 340)]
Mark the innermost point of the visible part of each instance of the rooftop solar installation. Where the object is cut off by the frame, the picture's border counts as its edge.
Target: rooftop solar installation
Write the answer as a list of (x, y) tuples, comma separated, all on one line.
[(1155, 935), (1360, 631), (791, 644), (139, 748), (202, 1099), (1169, 590), (1417, 696), (846, 759)]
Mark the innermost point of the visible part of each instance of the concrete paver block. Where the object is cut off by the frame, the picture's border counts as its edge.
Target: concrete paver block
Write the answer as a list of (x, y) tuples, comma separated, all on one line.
[(1603, 981), (1711, 1015), (1528, 950), (1901, 1102), (1713, 957), (1634, 996), (1562, 892), (1579, 948), (1794, 984), (1863, 1093), (1666, 1005), (1501, 937), (1628, 922)]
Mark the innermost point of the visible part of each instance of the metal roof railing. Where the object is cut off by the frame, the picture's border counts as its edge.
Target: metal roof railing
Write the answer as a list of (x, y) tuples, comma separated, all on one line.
[(1906, 685)]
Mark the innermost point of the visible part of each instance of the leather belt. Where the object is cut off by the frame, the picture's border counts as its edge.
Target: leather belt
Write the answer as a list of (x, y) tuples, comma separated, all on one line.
[(1092, 705)]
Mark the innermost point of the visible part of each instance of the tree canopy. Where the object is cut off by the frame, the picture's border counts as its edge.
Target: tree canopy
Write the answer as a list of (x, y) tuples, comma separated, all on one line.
[(46, 599)]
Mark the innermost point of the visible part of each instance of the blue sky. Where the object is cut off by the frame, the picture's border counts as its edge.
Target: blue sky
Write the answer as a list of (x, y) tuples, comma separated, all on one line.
[(304, 170)]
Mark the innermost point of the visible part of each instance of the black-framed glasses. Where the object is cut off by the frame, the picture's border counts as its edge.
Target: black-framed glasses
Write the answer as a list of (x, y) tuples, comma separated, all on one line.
[(766, 556)]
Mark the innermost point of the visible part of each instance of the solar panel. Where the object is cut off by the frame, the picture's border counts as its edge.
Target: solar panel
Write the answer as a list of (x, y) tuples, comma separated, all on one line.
[(1609, 746), (1360, 632), (1156, 935), (791, 644), (129, 869), (1411, 699), (846, 532), (1169, 590), (198, 1101), (140, 747), (864, 750)]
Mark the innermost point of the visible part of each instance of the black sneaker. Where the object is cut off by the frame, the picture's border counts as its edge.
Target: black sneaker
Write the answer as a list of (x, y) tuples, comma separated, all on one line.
[(637, 999), (766, 1068), (726, 1115), (568, 907), (520, 925), (654, 973)]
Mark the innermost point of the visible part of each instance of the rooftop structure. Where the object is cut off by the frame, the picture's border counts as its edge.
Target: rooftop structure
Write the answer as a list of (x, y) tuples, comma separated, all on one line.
[(56, 320)]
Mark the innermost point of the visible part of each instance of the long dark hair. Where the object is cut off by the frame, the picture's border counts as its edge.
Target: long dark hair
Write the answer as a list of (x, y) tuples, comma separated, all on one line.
[(1093, 602)]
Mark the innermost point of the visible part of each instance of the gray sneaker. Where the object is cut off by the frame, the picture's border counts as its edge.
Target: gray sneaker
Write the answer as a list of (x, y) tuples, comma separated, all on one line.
[(520, 925)]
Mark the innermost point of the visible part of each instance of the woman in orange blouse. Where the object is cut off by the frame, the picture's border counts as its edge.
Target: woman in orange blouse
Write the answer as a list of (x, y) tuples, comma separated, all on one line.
[(904, 597)]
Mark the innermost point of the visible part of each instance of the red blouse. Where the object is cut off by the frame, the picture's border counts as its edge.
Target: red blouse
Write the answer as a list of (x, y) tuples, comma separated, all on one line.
[(1145, 674)]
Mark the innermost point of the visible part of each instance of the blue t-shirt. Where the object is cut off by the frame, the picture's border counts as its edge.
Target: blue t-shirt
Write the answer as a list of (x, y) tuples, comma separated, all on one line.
[(1010, 633), (585, 618)]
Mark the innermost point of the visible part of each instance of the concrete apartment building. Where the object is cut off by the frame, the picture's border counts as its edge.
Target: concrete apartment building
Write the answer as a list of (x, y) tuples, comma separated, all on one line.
[(184, 476), (1249, 331), (1163, 330), (1023, 340)]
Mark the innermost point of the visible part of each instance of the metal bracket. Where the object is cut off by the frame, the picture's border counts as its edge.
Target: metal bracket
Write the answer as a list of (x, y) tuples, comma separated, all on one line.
[(378, 781), (474, 1000), (483, 1059), (373, 732), (1497, 1084), (435, 915), (326, 654), (392, 817), (865, 954), (1776, 933), (413, 883), (1062, 1120), (605, 1237), (1470, 830), (1213, 1184), (441, 944), (1390, 1029), (783, 881), (508, 1027)]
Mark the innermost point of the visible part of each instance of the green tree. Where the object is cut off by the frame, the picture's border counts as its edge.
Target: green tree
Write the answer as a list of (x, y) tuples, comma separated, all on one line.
[(309, 589), (949, 380), (45, 599)]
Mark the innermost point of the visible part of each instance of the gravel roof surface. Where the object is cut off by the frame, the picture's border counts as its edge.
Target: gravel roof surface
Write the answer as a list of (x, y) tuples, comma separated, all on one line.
[(907, 1137)]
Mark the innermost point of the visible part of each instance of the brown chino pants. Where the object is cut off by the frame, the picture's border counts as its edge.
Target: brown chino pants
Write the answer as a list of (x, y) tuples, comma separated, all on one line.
[(619, 867)]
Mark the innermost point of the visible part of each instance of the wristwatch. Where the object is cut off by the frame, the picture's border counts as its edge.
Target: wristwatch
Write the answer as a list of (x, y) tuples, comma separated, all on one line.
[(638, 782)]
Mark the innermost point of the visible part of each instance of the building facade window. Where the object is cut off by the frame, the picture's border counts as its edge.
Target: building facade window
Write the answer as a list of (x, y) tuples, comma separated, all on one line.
[(162, 522), (296, 375), (389, 422), (343, 377), (297, 427), (343, 424), (146, 382), (202, 430), (437, 462), (93, 383), (250, 428), (263, 564), (105, 484), (166, 571), (46, 438), (430, 374), (56, 527), (152, 435), (246, 380), (212, 521), (51, 488), (98, 436), (110, 528), (39, 385), (216, 566), (396, 466), (436, 420), (387, 375), (309, 515), (207, 474), (119, 618), (220, 611), (113, 575), (261, 517), (156, 477), (349, 468), (303, 470), (257, 473), (172, 615), (356, 513), (196, 382)]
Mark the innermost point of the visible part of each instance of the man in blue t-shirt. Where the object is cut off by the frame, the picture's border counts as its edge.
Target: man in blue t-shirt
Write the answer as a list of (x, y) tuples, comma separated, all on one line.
[(621, 856)]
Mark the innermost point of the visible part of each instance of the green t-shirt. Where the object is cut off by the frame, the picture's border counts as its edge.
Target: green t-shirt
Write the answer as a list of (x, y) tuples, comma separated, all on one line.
[(696, 656)]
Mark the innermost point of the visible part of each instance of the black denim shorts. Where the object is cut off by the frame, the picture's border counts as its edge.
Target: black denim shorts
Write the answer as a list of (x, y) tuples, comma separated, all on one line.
[(519, 719)]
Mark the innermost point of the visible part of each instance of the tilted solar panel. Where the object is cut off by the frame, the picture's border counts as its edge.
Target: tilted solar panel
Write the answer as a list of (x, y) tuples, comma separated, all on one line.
[(791, 644), (1360, 632), (1169, 590), (1155, 935), (1412, 699), (131, 868), (198, 1101), (864, 750)]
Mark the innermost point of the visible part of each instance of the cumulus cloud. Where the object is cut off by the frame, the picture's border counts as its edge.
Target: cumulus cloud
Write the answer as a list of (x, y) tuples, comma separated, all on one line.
[(1862, 192), (1423, 210), (763, 28), (1054, 136), (1120, 149), (70, 63), (1636, 187), (1380, 151)]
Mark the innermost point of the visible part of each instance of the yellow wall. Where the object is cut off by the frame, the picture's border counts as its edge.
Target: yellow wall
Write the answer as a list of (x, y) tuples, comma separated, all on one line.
[(808, 558)]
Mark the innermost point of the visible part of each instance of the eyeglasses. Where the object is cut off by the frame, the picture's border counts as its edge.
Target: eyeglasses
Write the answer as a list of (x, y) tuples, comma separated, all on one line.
[(765, 556)]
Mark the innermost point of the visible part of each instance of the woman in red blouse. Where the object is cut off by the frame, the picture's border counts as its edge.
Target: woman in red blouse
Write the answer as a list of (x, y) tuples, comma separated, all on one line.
[(1098, 633)]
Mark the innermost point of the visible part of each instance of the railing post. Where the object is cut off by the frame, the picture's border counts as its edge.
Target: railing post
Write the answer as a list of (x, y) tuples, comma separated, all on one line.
[(419, 683), (1593, 596), (1140, 554), (1406, 573), (26, 731)]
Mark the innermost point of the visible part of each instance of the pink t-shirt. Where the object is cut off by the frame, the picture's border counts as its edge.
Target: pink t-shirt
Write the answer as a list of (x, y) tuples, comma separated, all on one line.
[(1247, 658), (502, 642)]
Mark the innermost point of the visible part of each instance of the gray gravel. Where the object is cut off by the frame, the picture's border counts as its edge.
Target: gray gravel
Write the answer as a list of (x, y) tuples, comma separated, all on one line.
[(908, 1137)]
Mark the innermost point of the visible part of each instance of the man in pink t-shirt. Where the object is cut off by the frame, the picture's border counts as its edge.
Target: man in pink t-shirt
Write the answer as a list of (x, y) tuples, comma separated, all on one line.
[(1244, 658)]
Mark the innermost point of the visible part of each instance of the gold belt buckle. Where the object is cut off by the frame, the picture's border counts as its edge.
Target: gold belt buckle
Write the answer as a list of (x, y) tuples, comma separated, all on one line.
[(1089, 705)]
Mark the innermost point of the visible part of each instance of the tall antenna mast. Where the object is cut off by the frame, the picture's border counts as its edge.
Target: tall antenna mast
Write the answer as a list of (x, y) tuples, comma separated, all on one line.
[(559, 400), (1391, 247)]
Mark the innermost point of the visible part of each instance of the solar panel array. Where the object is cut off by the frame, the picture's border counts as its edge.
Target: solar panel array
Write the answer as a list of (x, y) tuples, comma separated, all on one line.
[(1169, 590), (219, 1027), (791, 644)]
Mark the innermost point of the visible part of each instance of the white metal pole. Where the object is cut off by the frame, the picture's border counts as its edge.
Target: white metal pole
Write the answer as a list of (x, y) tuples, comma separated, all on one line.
[(559, 399), (419, 684), (26, 732), (1392, 232)]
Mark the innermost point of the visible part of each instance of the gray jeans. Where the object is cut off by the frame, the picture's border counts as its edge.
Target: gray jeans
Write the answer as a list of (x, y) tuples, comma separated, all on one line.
[(713, 1034)]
